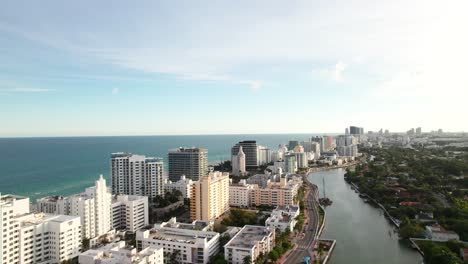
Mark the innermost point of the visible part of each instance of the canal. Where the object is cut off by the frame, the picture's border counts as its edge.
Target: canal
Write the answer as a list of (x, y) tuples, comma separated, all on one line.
[(362, 232)]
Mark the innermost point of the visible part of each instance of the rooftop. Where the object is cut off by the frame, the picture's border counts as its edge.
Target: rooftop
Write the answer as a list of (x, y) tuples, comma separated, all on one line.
[(249, 236)]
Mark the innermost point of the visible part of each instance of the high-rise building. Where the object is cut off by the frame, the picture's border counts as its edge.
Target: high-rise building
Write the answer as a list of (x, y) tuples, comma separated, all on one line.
[(36, 237), (347, 131), (354, 130), (298, 148), (301, 159), (320, 140), (292, 144), (93, 207), (250, 149), (418, 131), (129, 212), (238, 163), (329, 143), (191, 162), (136, 174), (210, 196), (264, 155), (290, 163)]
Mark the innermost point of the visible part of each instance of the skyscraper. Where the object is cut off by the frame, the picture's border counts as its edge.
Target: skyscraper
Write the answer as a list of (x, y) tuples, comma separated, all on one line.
[(209, 197), (354, 130), (320, 140), (250, 149), (136, 174), (264, 155), (418, 131), (292, 144), (191, 162), (238, 163)]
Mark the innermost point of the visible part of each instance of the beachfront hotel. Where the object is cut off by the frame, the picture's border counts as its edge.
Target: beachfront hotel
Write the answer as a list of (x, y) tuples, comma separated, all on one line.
[(29, 238), (191, 162), (136, 174)]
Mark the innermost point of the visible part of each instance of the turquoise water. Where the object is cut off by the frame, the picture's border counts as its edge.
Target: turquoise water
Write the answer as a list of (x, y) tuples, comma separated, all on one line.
[(362, 232), (60, 166)]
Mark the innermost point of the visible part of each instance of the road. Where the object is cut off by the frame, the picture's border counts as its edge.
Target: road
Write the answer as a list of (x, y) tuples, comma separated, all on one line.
[(305, 243)]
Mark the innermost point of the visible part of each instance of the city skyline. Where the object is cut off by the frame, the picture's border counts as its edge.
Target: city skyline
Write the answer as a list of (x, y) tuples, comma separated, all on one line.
[(95, 69)]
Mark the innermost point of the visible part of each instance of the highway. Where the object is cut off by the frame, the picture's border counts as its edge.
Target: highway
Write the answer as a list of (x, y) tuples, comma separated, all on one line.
[(305, 241)]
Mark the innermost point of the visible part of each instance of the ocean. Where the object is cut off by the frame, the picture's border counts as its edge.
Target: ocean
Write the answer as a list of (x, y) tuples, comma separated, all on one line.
[(38, 167)]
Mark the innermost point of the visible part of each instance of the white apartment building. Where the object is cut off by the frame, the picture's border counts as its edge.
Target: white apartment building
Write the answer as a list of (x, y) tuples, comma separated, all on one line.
[(136, 174), (238, 163), (283, 218), (93, 207), (186, 241), (239, 194), (264, 155), (302, 159), (129, 212), (183, 185), (36, 238), (250, 241), (119, 253), (210, 196)]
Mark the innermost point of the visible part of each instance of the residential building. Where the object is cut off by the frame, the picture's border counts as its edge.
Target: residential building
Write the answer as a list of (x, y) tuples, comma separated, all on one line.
[(250, 149), (36, 237), (119, 253), (276, 193), (264, 155), (210, 196), (298, 148), (320, 141), (238, 163), (129, 212), (191, 162), (183, 185), (301, 159), (93, 207), (292, 144), (290, 163), (186, 241), (283, 218), (346, 145), (239, 194), (133, 174), (354, 130), (262, 180), (438, 233), (250, 241)]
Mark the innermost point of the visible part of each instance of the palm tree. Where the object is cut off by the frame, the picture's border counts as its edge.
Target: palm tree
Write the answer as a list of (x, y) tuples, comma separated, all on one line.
[(247, 260)]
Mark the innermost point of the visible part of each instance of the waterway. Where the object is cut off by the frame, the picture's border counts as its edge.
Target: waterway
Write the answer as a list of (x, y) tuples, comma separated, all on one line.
[(362, 232)]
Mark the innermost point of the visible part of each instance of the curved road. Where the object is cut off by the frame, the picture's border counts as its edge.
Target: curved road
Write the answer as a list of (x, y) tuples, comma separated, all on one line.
[(306, 240)]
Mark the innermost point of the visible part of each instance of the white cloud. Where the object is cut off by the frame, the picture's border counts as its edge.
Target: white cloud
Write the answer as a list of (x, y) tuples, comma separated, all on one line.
[(254, 85), (334, 73), (115, 91)]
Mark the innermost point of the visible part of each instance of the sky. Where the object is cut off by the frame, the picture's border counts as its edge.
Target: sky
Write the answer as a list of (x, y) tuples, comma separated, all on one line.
[(83, 68)]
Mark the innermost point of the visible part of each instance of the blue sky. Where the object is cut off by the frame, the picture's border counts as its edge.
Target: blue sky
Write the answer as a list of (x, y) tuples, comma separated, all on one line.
[(205, 67)]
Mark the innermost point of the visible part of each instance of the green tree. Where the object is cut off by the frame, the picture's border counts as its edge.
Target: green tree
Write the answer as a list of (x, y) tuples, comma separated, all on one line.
[(247, 260)]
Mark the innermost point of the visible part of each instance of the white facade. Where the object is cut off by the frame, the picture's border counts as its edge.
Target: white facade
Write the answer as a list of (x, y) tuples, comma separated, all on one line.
[(250, 241), (276, 193), (129, 212), (238, 163), (283, 218), (183, 185), (36, 238), (93, 207), (119, 253), (239, 194), (301, 159), (136, 174), (264, 155), (193, 245)]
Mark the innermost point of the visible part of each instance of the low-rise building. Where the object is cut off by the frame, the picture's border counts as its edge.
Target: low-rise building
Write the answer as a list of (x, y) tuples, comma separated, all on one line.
[(188, 243), (283, 218), (239, 194), (129, 212), (276, 193), (119, 253), (438, 233), (250, 241), (183, 185)]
